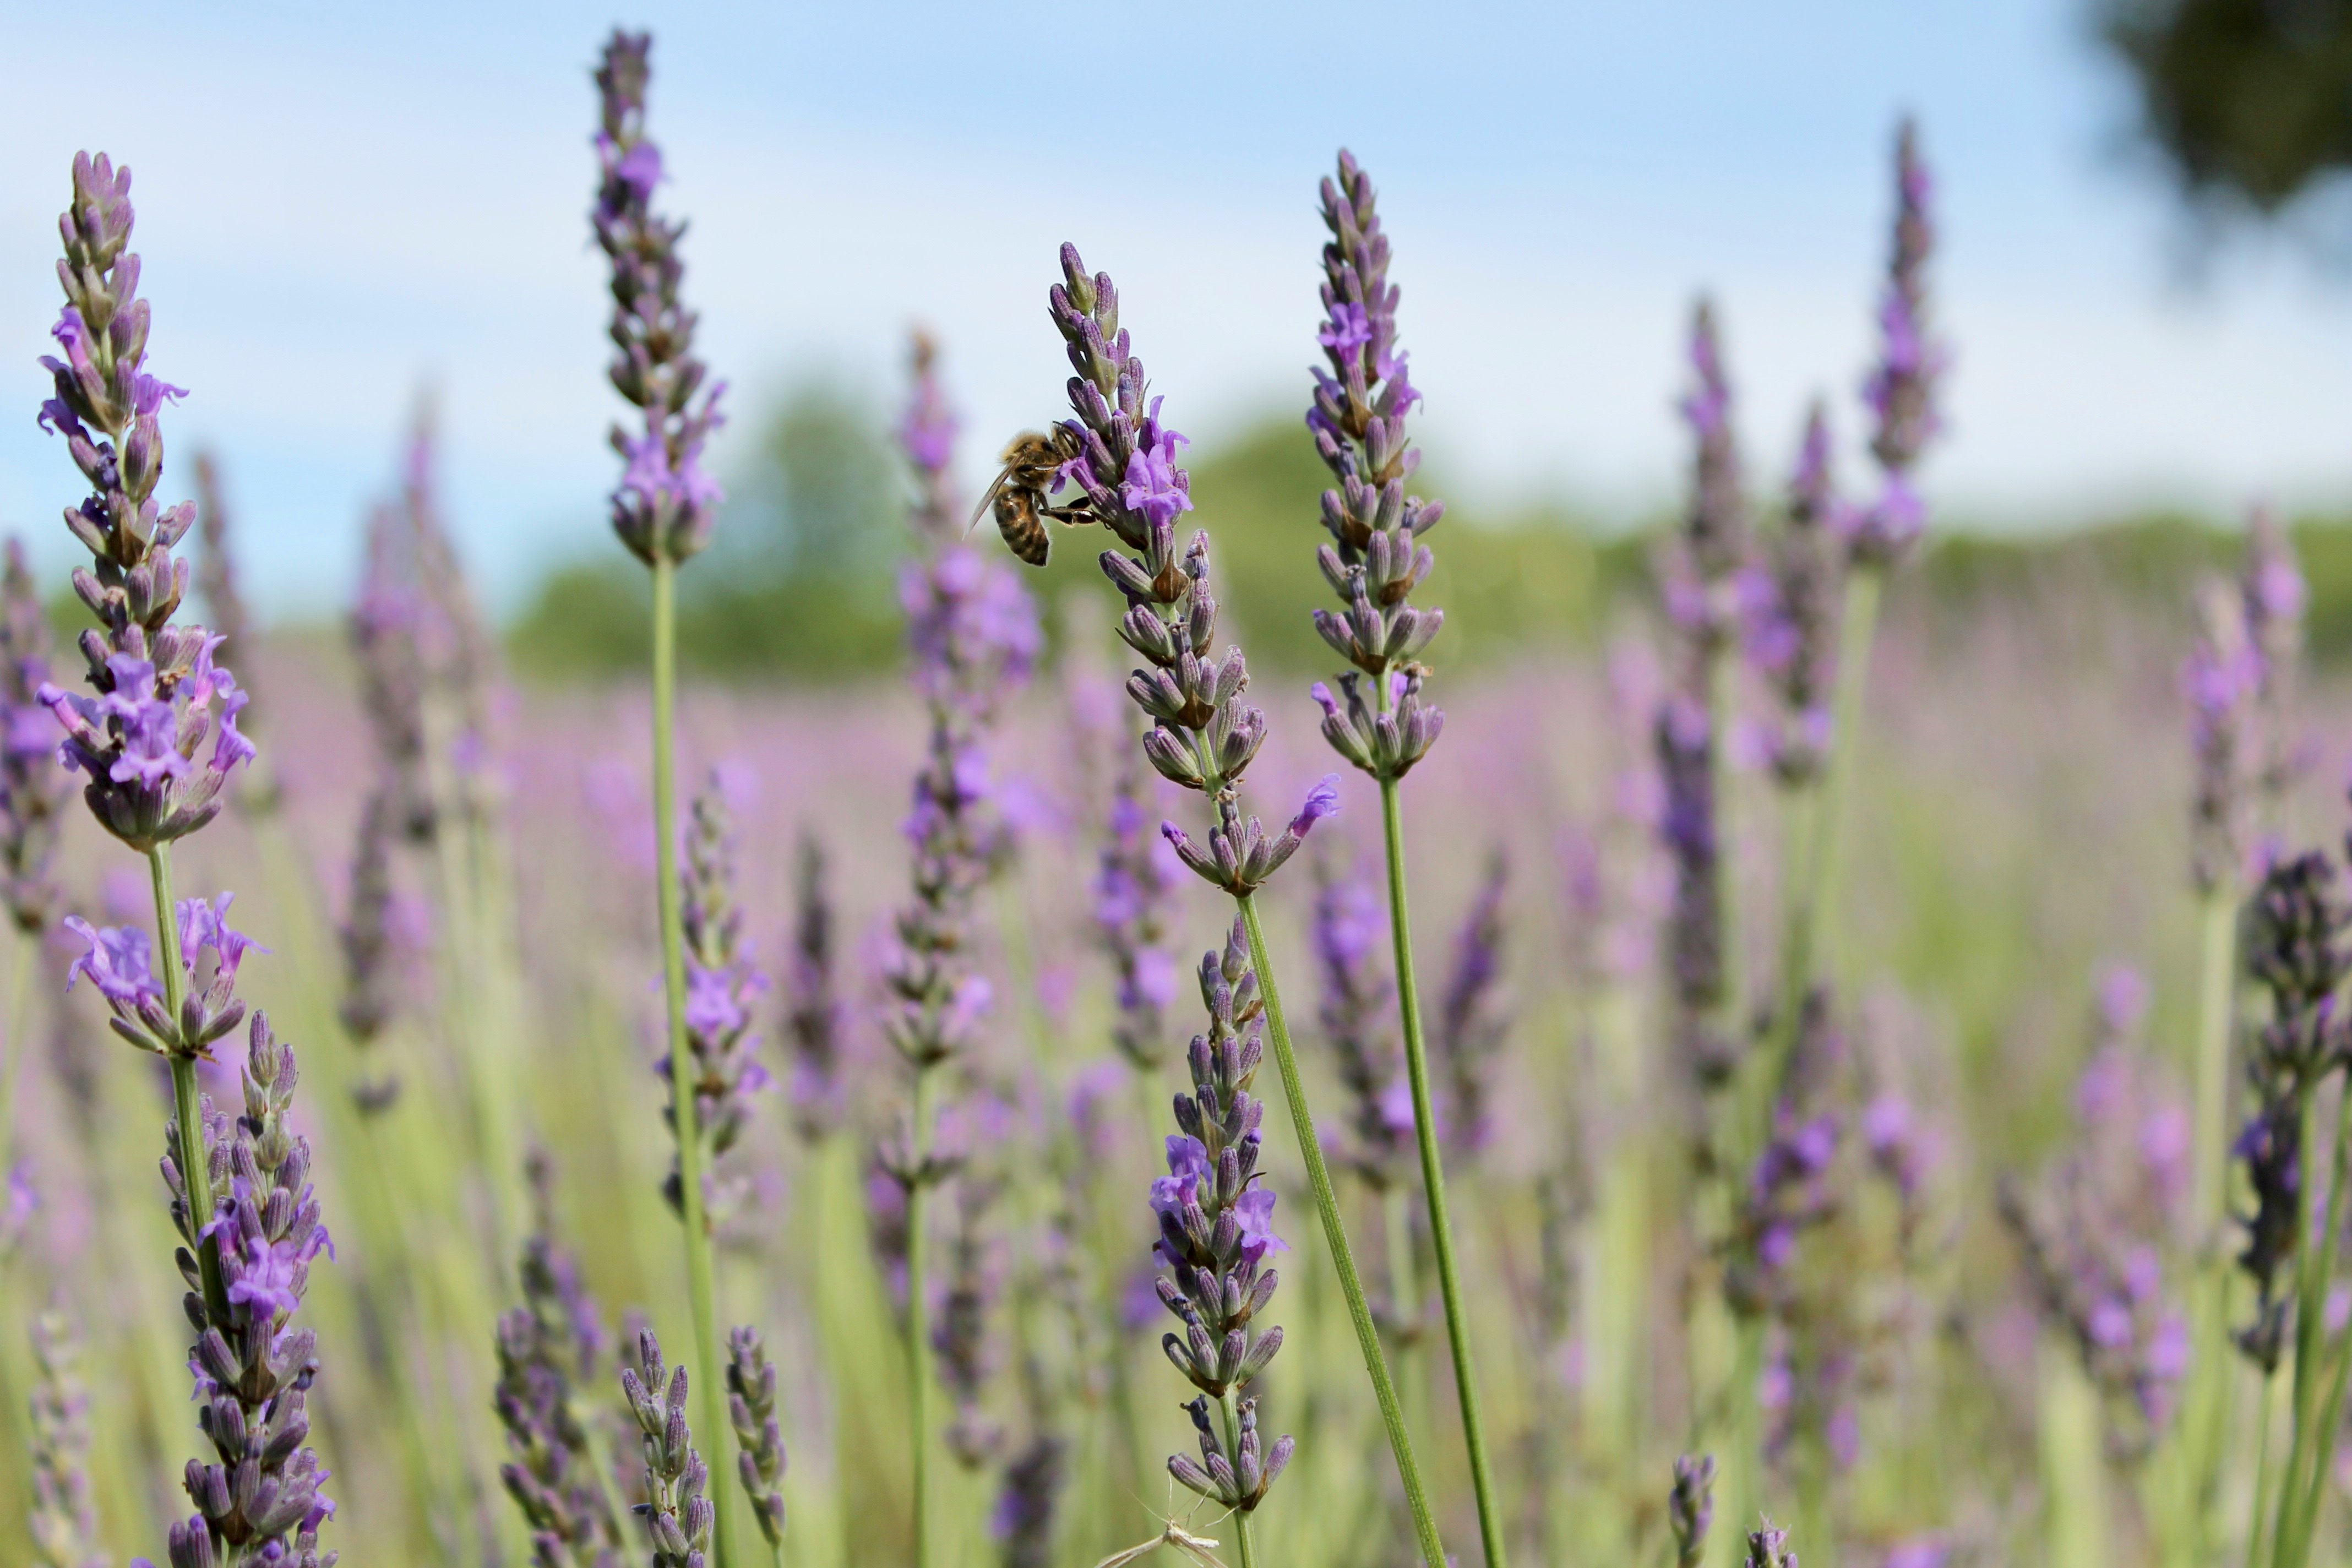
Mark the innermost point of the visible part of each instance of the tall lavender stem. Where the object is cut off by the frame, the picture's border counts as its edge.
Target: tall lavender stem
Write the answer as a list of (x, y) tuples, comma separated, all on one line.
[(975, 637), (64, 1519), (663, 511), (1373, 562), (1203, 736)]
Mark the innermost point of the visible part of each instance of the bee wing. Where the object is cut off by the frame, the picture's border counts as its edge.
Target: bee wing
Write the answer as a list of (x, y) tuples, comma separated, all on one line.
[(988, 500)]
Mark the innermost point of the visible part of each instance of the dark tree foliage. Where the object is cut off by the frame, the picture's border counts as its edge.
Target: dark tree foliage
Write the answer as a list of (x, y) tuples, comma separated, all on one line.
[(2248, 101)]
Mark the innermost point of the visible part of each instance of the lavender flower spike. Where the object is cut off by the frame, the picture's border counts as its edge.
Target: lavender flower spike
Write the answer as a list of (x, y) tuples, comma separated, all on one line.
[(1203, 735), (31, 787), (1901, 390), (258, 1500), (1357, 1009), (2221, 679), (1471, 1024), (1132, 899), (371, 977), (1769, 1548), (813, 1018), (1714, 543), (64, 1519), (1374, 559), (722, 992), (678, 1515), (666, 501), (1690, 1507), (751, 1410), (1217, 1230), (1789, 606)]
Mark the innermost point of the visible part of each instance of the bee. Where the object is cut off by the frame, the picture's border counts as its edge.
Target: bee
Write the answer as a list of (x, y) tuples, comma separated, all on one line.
[(1017, 495)]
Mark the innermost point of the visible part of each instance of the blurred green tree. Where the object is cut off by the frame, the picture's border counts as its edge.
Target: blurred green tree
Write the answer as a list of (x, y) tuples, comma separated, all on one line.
[(2248, 102)]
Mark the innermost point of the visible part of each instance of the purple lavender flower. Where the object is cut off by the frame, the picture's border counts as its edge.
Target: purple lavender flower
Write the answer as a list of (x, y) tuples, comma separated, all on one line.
[(759, 1435), (2295, 947), (1215, 1231), (963, 1348), (1375, 559), (160, 695), (63, 1516), (1714, 544), (549, 1352), (372, 977), (210, 953), (677, 1512), (1690, 1507), (1022, 1520), (722, 991), (2220, 678), (258, 1500), (666, 501), (1769, 1548), (1356, 1007), (1901, 389), (1685, 742), (1471, 1022), (2271, 588), (1788, 605), (812, 1019), (1131, 894), (31, 788), (1203, 735)]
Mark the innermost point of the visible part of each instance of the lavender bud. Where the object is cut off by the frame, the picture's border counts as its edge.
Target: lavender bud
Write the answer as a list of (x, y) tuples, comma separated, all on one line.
[(759, 1437), (1690, 1507), (1901, 389)]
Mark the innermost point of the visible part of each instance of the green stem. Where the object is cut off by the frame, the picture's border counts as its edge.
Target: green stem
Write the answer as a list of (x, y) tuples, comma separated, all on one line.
[(700, 1285), (2309, 1288), (2254, 1531), (918, 1333), (1433, 1176), (2217, 916), (1335, 1235), (1233, 1446), (2307, 1474), (12, 1064), (1858, 625), (187, 1097)]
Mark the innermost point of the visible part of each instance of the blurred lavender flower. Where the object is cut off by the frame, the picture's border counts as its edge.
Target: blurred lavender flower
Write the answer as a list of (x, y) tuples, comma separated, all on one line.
[(1203, 735), (1022, 1518), (1690, 1507), (2220, 678), (1769, 1548), (260, 1500), (31, 787), (666, 501), (886, 1223), (2271, 588), (759, 1435), (1790, 1188), (2102, 1232), (1216, 1229), (1356, 1007), (678, 1514), (1901, 390), (2295, 949), (63, 1519), (722, 991), (372, 980), (225, 603), (1471, 1024), (386, 629), (812, 1017), (1375, 559), (549, 1352), (1695, 981), (1789, 606), (1702, 573), (1131, 898), (960, 1340)]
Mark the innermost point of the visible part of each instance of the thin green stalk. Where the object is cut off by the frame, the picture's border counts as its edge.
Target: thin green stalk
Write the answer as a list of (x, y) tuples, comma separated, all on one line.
[(2217, 918), (187, 1098), (1857, 627), (2313, 1443), (700, 1278), (12, 1066), (1433, 1176), (2255, 1530), (918, 1333), (1233, 1446), (1335, 1235), (2308, 1290), (1404, 1299)]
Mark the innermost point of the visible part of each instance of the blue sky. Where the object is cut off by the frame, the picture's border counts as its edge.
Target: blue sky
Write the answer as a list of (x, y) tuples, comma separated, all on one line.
[(339, 203)]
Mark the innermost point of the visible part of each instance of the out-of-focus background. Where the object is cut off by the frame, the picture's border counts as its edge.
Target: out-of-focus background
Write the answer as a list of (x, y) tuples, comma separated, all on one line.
[(344, 206)]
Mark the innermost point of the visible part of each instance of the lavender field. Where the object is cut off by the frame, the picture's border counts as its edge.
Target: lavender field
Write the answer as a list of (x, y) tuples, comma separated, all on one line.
[(1797, 1068)]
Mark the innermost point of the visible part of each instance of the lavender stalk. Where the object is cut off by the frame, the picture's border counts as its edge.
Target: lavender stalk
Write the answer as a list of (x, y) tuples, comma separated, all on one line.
[(759, 1435), (1373, 562), (813, 1020), (64, 1519), (975, 637), (1122, 460), (1690, 1508), (678, 1515), (225, 603), (662, 511)]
